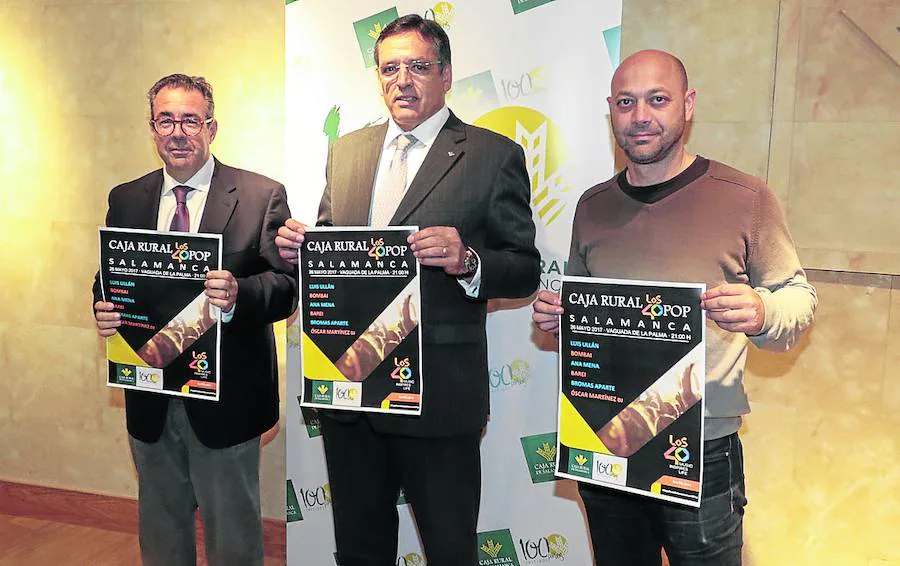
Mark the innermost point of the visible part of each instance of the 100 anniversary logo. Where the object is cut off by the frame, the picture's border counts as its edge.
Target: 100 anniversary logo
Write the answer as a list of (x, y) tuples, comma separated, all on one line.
[(543, 549), (515, 373)]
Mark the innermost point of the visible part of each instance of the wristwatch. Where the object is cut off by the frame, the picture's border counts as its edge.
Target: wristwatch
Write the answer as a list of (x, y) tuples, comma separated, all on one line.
[(470, 262)]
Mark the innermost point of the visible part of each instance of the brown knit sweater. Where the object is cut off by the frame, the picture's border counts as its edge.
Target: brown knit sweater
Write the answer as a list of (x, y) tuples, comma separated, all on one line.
[(711, 224)]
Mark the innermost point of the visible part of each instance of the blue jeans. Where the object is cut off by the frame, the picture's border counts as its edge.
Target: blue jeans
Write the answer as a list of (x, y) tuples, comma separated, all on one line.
[(630, 530)]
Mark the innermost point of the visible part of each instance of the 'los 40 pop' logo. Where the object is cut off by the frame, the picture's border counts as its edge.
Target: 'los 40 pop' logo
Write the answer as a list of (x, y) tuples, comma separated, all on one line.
[(183, 253), (378, 249), (402, 372), (200, 364)]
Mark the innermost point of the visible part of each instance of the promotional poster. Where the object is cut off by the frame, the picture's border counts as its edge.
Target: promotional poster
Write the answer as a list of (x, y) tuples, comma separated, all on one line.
[(632, 374), (169, 340), (360, 307)]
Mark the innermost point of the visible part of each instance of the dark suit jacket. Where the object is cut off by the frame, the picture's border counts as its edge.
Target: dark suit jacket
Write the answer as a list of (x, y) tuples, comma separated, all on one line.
[(476, 181), (247, 210)]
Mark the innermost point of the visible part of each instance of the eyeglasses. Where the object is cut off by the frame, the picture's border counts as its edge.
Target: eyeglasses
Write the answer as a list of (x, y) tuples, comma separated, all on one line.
[(190, 126), (418, 68)]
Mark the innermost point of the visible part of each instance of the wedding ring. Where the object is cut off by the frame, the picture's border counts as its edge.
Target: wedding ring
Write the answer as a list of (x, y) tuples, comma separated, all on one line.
[(227, 294), (444, 252)]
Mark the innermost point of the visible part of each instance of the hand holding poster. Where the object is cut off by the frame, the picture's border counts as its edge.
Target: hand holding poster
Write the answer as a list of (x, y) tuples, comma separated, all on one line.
[(169, 338), (359, 304), (632, 367)]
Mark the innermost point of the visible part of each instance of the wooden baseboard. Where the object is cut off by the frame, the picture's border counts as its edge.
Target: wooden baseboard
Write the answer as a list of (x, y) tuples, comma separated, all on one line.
[(106, 512)]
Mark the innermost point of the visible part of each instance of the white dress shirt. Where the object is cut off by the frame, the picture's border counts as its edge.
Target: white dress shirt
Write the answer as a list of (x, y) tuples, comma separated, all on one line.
[(195, 201)]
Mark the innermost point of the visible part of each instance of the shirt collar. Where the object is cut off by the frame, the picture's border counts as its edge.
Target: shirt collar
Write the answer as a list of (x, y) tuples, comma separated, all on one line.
[(425, 133), (201, 180)]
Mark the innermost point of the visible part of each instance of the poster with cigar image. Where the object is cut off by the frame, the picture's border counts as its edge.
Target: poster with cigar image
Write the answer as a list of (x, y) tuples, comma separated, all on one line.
[(169, 341), (632, 374), (360, 343)]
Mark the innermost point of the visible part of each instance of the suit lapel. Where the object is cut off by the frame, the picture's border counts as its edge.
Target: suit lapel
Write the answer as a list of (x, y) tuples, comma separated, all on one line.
[(359, 197), (220, 202), (148, 209), (444, 153)]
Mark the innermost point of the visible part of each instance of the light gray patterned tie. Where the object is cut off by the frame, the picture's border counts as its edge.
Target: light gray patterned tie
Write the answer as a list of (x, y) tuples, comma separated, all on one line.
[(391, 192)]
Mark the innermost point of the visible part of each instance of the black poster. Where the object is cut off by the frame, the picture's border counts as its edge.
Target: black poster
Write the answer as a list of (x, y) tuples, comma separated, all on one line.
[(169, 338), (632, 367), (360, 302)]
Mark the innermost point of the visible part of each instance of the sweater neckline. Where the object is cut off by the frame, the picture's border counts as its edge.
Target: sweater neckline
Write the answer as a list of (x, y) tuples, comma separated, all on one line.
[(651, 194)]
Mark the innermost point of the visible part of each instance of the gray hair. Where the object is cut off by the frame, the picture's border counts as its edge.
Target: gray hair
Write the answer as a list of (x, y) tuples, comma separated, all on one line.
[(184, 82)]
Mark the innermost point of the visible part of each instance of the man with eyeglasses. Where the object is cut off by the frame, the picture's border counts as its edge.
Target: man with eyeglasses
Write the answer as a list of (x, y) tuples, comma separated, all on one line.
[(468, 191), (196, 453)]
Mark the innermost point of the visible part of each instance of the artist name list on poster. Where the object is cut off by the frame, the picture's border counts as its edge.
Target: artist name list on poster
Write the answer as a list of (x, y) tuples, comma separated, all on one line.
[(581, 362), (320, 300)]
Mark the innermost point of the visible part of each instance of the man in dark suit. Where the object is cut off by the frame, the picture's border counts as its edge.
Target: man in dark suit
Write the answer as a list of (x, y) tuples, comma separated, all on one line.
[(468, 191), (191, 453)]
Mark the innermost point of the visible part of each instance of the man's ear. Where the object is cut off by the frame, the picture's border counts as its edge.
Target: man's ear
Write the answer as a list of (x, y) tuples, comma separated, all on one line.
[(689, 98), (213, 128), (447, 76)]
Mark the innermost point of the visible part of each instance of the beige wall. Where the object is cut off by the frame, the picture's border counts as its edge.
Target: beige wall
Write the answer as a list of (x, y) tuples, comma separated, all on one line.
[(821, 445), (72, 80)]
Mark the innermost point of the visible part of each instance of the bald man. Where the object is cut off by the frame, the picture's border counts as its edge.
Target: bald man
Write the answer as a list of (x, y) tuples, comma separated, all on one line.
[(674, 216)]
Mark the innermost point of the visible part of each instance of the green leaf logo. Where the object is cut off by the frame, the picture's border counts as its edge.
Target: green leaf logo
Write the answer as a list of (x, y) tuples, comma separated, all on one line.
[(491, 548)]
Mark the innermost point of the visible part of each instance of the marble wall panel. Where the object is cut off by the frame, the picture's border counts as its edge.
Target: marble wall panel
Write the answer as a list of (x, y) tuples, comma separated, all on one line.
[(842, 486), (843, 181), (23, 66), (56, 454), (828, 88), (742, 145), (839, 4), (839, 363), (728, 48), (93, 49), (838, 64), (856, 261), (203, 37), (768, 465), (780, 150), (90, 2), (819, 479), (52, 369), (820, 442), (254, 144), (60, 293), (18, 276), (5, 415), (891, 401), (790, 18), (263, 86)]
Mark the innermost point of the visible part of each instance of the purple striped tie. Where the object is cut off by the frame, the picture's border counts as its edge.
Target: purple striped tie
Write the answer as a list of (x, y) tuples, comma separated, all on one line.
[(181, 222)]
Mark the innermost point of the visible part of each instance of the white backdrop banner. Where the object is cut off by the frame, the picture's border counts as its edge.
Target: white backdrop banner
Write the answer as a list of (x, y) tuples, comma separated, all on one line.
[(538, 72)]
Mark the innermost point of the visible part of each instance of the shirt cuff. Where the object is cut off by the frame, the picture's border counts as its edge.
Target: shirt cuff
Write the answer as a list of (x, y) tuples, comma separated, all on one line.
[(472, 287), (227, 316)]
